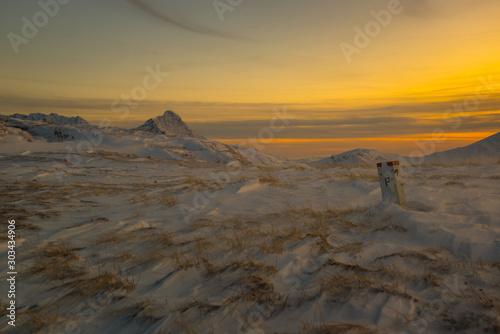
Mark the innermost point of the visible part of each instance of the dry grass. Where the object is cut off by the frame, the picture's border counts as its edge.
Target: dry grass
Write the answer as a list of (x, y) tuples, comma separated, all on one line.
[(104, 282), (37, 318), (107, 238), (355, 175), (142, 199), (240, 260), (455, 183), (144, 312), (164, 200), (197, 184), (341, 284), (390, 225), (168, 200), (93, 220), (114, 156), (301, 167), (162, 239), (250, 275), (253, 266), (274, 179), (327, 328), (256, 288), (56, 261), (308, 210)]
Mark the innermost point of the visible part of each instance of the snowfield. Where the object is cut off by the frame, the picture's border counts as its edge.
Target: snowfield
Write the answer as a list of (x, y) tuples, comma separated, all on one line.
[(160, 233)]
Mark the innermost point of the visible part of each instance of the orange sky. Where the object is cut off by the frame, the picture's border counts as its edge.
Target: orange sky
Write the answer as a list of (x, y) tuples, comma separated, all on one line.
[(431, 65)]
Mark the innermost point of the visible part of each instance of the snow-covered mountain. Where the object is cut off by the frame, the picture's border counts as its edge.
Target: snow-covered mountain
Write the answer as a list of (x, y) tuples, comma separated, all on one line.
[(168, 137), (52, 118), (483, 151), (355, 158), (163, 137), (169, 124)]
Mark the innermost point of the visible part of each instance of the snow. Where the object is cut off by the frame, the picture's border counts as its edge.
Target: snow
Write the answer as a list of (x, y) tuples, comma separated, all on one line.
[(483, 151), (250, 186), (147, 233), (357, 157), (185, 145)]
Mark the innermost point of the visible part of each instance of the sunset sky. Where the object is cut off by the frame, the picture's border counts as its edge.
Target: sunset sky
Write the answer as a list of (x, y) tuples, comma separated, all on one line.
[(231, 67)]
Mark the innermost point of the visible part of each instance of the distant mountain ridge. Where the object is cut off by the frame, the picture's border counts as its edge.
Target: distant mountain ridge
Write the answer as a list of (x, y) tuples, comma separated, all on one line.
[(167, 136), (484, 151), (357, 157), (162, 137), (51, 118)]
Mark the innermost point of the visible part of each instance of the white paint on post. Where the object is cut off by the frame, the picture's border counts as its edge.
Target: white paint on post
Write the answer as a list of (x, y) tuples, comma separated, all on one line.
[(391, 183)]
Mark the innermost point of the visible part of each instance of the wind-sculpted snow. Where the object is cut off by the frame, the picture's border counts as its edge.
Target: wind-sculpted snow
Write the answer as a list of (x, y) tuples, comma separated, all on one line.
[(130, 244), (129, 231)]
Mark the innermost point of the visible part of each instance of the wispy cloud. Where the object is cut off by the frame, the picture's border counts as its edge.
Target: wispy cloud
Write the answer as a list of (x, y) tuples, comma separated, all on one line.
[(178, 22)]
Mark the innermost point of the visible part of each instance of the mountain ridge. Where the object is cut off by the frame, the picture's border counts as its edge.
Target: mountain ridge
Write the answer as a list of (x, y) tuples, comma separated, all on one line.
[(51, 118), (168, 143), (483, 151)]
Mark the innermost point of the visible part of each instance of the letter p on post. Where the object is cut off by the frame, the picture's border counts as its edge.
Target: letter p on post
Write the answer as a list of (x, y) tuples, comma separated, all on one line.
[(391, 182)]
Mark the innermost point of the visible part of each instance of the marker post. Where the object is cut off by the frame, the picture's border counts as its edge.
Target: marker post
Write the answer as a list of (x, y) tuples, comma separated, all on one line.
[(391, 182)]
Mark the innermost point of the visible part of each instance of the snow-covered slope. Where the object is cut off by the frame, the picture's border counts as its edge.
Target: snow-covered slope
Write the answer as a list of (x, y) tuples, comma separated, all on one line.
[(355, 158), (120, 244), (52, 118), (169, 124), (45, 131), (128, 231), (179, 142), (483, 151), (13, 135)]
